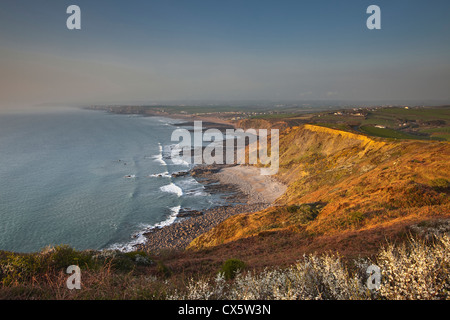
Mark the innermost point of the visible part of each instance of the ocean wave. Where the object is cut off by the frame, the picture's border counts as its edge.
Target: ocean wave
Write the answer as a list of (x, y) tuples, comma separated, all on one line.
[(171, 219), (192, 187), (198, 193), (173, 152), (166, 122), (140, 238), (172, 188), (159, 157), (160, 175)]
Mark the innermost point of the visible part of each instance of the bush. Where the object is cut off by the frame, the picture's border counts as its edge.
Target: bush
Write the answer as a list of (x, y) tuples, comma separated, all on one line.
[(304, 213), (163, 270), (139, 257), (122, 261), (355, 217), (231, 267), (19, 268), (313, 278), (61, 257), (440, 184), (416, 271)]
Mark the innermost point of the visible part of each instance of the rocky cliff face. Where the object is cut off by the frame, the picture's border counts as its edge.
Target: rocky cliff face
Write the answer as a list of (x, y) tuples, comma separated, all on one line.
[(341, 182)]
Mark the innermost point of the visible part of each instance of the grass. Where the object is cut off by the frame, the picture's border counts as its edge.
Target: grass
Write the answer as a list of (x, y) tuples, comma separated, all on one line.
[(388, 133), (440, 184), (413, 114), (18, 268), (442, 133), (412, 270), (338, 126), (379, 120), (437, 130), (275, 116)]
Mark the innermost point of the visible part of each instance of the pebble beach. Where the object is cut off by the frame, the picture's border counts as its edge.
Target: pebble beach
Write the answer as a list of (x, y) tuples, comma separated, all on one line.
[(244, 189)]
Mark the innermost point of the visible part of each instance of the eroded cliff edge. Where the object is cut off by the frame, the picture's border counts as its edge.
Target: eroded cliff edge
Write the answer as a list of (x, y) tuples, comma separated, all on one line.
[(343, 182)]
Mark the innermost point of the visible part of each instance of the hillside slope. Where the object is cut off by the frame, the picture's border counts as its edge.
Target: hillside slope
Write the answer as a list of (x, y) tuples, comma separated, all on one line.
[(341, 182)]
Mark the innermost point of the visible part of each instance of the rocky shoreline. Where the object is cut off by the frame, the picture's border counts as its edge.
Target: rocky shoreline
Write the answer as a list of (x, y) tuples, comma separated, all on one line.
[(179, 235), (242, 195), (192, 223)]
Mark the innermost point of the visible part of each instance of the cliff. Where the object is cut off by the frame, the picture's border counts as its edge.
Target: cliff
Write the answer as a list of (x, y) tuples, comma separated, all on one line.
[(341, 182)]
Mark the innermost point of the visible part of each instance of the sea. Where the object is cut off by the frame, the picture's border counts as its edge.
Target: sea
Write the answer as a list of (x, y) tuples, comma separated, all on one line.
[(89, 179)]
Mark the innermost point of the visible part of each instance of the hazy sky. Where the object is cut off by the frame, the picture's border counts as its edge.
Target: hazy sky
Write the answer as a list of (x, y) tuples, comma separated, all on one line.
[(148, 50)]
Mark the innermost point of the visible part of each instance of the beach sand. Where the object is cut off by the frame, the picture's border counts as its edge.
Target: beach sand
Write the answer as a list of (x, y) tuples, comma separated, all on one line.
[(258, 188), (243, 186)]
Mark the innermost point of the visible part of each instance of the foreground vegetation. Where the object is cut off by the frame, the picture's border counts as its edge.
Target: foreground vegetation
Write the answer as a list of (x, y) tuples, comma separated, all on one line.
[(417, 269)]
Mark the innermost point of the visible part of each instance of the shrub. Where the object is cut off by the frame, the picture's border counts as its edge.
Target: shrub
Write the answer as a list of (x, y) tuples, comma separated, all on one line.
[(19, 268), (416, 271), (440, 184), (355, 217), (120, 261), (163, 270), (304, 213), (315, 277), (139, 257), (231, 267), (61, 257)]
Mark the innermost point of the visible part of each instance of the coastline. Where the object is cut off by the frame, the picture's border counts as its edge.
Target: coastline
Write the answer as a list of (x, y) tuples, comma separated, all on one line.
[(243, 195), (242, 187)]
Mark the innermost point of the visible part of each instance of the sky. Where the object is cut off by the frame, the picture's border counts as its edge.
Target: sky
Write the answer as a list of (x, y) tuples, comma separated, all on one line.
[(159, 50)]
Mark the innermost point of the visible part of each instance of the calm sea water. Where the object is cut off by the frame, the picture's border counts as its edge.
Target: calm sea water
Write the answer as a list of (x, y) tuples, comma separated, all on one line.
[(88, 179)]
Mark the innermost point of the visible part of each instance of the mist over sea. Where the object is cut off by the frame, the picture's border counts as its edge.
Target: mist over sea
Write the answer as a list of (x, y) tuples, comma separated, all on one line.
[(89, 179)]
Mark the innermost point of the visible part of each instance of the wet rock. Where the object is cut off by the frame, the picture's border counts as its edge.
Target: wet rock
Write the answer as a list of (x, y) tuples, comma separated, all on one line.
[(180, 174)]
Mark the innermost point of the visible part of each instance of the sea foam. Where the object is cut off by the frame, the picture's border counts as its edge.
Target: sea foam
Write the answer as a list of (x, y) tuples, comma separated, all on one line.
[(159, 157), (172, 188), (140, 238), (174, 152), (160, 175)]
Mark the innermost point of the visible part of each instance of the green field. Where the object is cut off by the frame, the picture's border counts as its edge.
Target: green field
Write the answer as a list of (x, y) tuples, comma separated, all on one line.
[(437, 130), (389, 133), (442, 113), (442, 133), (275, 116)]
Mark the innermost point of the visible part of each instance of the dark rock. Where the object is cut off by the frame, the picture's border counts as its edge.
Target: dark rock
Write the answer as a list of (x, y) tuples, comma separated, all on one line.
[(184, 213), (180, 174)]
